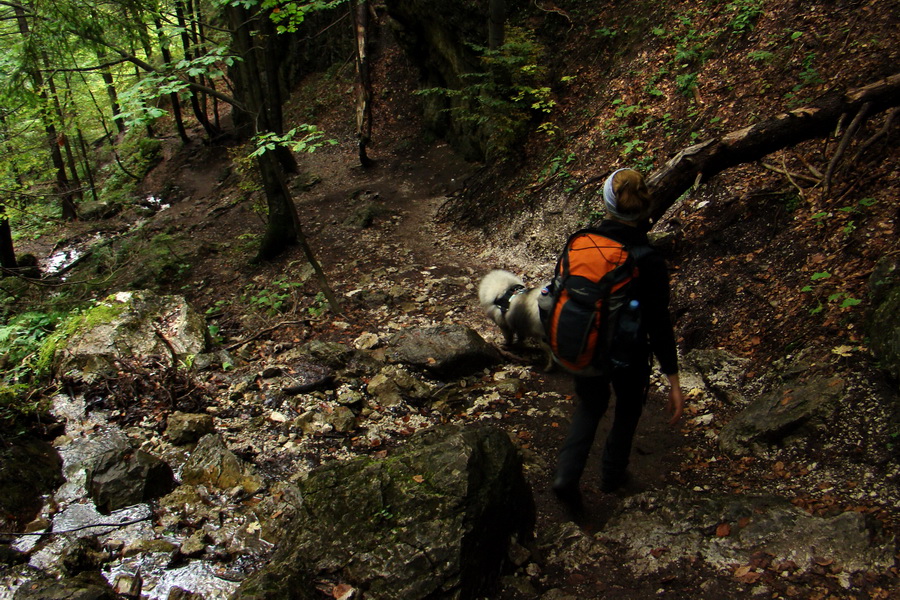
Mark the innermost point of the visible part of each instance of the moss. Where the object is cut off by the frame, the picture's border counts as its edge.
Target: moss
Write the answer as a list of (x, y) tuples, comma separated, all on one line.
[(104, 312)]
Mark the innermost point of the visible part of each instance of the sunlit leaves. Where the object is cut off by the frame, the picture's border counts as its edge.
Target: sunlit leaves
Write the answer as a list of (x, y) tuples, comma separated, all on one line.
[(310, 139)]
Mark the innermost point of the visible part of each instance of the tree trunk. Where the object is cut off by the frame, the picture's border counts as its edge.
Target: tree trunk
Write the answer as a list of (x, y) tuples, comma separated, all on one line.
[(281, 227), (7, 251), (359, 11), (63, 187), (75, 181), (173, 97), (199, 113), (699, 163), (496, 23), (110, 84)]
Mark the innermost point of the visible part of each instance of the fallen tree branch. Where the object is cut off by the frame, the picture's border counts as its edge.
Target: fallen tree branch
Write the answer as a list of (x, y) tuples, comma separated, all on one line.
[(701, 162), (845, 141), (888, 122), (260, 333)]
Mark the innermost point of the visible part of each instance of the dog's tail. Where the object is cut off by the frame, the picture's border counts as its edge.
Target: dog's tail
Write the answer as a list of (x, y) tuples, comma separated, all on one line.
[(495, 285)]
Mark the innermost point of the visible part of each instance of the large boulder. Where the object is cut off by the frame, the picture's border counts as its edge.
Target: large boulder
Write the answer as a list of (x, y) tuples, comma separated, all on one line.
[(434, 520), (444, 350), (785, 415), (660, 528), (135, 324)]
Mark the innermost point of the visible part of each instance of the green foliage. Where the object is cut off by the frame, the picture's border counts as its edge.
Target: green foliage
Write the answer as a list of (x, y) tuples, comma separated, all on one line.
[(20, 343), (763, 56), (303, 138), (290, 14), (558, 167), (685, 83), (319, 306), (512, 90), (744, 14), (823, 299), (280, 296)]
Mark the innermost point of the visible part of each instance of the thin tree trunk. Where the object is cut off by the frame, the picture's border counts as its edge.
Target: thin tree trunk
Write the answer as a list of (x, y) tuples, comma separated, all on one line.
[(75, 181), (63, 187), (7, 251), (359, 11), (199, 113), (86, 162), (173, 97), (110, 84), (496, 23)]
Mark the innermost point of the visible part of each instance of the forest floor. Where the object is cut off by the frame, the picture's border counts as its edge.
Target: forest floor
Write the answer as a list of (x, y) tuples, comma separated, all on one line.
[(738, 272), (399, 251)]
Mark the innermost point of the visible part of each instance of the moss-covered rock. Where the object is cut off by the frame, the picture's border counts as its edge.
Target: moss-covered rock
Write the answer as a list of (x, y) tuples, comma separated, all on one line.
[(125, 325), (434, 520)]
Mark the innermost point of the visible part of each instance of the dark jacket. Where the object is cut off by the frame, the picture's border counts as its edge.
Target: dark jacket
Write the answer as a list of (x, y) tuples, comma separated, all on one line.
[(652, 291)]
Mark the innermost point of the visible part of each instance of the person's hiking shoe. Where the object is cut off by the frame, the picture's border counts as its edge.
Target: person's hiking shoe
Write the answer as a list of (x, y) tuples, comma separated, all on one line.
[(570, 496), (612, 483)]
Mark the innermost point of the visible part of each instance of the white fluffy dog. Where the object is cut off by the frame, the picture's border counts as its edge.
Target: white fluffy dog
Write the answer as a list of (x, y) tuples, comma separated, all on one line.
[(513, 307)]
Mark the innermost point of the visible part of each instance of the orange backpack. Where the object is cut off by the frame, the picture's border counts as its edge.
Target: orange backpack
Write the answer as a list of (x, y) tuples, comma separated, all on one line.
[(589, 313)]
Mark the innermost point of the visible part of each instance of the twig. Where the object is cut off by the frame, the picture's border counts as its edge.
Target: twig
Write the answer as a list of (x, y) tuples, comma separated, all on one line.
[(261, 332), (74, 529), (789, 174), (845, 141), (557, 10)]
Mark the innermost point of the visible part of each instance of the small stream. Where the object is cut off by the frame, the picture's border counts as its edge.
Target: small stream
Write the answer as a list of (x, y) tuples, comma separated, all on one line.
[(62, 258), (72, 515)]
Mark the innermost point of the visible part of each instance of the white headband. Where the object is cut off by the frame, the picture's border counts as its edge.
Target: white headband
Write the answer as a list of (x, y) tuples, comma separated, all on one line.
[(609, 199)]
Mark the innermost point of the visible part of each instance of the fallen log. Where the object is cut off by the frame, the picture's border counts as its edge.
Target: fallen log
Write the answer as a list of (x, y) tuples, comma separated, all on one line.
[(701, 162)]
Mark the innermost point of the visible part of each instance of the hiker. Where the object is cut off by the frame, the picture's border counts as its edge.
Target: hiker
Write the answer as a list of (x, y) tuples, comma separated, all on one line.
[(627, 203)]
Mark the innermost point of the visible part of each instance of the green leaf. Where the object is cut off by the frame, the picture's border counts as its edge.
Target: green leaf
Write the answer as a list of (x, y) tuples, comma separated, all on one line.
[(820, 275)]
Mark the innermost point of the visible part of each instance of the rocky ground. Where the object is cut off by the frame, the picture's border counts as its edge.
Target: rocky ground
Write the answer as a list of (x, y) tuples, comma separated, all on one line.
[(395, 268)]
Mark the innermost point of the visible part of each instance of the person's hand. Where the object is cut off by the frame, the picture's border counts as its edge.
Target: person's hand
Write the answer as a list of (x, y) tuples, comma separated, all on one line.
[(676, 399)]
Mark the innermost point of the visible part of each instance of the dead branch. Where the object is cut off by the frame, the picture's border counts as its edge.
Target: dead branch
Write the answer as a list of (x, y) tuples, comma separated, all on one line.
[(888, 122), (703, 161), (845, 141)]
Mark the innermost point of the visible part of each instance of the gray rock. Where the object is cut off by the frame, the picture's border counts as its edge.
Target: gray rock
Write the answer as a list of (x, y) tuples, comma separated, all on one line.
[(393, 384), (211, 463), (126, 325), (720, 372), (434, 520), (781, 417), (445, 350), (727, 530), (122, 476), (187, 428)]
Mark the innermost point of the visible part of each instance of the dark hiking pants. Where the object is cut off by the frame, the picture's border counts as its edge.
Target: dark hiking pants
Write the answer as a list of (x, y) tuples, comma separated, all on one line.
[(593, 399)]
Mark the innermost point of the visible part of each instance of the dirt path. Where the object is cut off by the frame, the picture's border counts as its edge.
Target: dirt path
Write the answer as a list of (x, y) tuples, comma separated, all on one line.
[(406, 237)]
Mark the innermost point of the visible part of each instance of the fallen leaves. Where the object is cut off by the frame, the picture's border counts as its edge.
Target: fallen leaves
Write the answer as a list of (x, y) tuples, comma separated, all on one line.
[(747, 574)]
